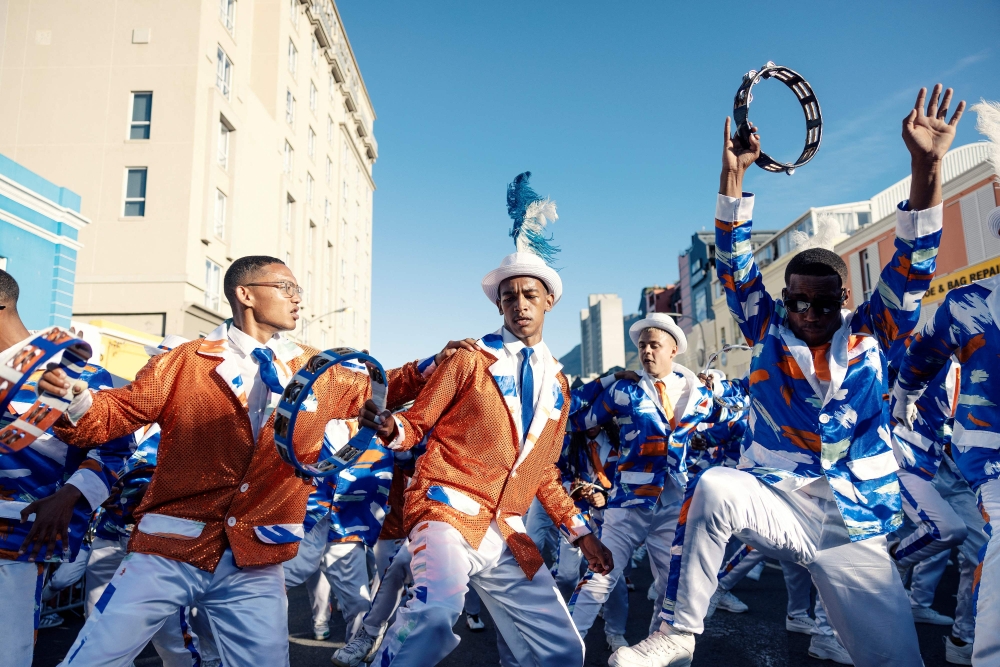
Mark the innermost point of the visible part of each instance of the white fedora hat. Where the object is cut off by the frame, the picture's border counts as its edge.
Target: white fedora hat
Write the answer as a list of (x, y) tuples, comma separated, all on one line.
[(659, 321), (170, 342), (522, 264)]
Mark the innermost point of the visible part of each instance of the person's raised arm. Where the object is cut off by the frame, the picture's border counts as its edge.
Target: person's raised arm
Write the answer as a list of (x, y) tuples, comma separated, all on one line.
[(602, 410), (748, 301), (927, 354), (408, 380), (893, 311)]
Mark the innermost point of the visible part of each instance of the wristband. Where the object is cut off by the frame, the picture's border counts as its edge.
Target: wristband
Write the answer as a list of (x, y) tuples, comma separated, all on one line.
[(298, 390), (810, 108), (47, 408)]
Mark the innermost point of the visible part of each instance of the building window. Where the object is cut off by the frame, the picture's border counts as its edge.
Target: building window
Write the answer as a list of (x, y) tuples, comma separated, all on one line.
[(328, 261), (329, 170), (224, 131), (311, 238), (135, 192), (329, 130), (343, 271), (864, 217), (326, 212), (142, 111), (289, 212), (311, 143), (357, 283), (293, 7), (223, 72), (314, 51), (322, 339), (289, 108), (213, 285), (288, 259), (227, 14), (220, 214), (309, 189), (293, 57), (700, 306), (289, 158), (343, 229), (312, 96), (344, 192), (867, 286), (309, 286)]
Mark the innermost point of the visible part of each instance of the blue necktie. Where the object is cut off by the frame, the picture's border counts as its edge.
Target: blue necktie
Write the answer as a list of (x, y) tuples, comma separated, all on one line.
[(527, 392), (268, 373)]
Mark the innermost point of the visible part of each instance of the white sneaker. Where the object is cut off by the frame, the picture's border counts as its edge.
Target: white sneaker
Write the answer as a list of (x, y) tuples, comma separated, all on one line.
[(651, 593), (474, 623), (729, 602), (674, 649), (929, 616), (800, 624), (321, 632), (955, 654), (52, 620), (355, 651), (615, 642), (826, 647), (757, 570)]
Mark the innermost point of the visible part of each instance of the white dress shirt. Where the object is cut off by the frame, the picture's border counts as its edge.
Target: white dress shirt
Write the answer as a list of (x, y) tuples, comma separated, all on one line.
[(257, 393), (675, 385), (535, 361)]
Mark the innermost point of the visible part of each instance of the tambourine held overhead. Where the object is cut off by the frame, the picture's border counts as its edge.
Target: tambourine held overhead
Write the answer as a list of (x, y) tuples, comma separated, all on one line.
[(810, 109), (20, 431), (296, 393)]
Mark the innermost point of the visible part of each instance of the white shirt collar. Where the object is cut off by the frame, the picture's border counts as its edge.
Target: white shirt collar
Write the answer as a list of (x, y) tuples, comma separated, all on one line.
[(244, 342)]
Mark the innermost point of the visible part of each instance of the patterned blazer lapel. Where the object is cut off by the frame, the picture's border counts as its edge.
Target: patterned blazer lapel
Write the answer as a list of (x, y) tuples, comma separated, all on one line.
[(993, 300), (285, 351), (504, 372), (802, 356), (648, 386), (839, 356), (216, 344)]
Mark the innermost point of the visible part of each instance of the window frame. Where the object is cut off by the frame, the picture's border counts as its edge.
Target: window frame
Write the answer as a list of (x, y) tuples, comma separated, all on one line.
[(126, 200), (227, 15), (219, 221), (289, 212), (225, 129), (213, 282), (289, 158), (133, 123), (289, 108), (293, 58), (223, 78)]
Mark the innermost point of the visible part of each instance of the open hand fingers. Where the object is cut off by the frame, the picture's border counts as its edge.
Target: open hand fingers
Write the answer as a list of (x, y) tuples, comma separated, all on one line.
[(932, 103), (918, 107), (942, 112), (958, 114)]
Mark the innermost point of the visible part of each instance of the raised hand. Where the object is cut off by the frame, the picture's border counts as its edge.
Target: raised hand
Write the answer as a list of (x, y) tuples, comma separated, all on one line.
[(380, 422), (928, 135), (736, 159), (453, 346)]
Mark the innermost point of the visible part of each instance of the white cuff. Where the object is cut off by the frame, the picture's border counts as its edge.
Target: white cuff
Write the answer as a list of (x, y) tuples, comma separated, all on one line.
[(576, 528), (427, 366), (397, 442), (79, 406), (608, 380), (731, 209), (911, 225), (91, 485)]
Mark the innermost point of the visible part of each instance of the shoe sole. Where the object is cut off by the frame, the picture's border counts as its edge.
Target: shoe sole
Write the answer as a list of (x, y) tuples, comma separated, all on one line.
[(823, 656), (732, 611), (613, 662)]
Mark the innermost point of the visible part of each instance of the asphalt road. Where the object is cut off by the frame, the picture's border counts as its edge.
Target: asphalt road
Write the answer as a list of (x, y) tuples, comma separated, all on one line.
[(755, 638)]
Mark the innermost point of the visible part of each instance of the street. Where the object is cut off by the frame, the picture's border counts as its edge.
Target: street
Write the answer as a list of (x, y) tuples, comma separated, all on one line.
[(755, 638)]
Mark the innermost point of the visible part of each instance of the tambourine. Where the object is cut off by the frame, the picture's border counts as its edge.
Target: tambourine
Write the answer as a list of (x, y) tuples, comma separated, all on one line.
[(47, 408), (810, 107), (298, 390)]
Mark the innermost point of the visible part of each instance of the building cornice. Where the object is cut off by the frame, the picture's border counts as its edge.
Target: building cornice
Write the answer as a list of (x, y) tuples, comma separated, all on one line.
[(29, 198), (32, 228)]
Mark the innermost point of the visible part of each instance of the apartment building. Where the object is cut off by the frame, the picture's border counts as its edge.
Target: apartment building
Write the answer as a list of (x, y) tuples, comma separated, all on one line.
[(196, 132), (602, 340)]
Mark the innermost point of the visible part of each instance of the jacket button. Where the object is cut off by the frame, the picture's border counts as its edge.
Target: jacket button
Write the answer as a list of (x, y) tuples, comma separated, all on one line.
[(243, 487), (231, 521), (823, 419)]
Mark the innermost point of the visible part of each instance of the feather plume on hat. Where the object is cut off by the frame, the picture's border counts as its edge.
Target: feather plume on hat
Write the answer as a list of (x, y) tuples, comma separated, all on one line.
[(988, 123), (530, 213)]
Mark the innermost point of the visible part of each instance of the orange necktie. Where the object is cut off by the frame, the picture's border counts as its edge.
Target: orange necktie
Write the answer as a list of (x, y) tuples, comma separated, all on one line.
[(668, 408), (595, 461)]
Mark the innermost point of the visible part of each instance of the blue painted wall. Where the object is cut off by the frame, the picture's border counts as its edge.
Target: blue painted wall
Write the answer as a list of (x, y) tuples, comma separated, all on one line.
[(45, 269)]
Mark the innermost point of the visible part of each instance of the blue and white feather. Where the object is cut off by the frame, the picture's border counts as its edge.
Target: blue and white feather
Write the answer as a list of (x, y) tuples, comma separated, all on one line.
[(531, 213)]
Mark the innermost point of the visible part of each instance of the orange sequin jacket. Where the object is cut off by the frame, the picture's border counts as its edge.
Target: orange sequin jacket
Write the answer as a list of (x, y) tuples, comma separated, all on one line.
[(209, 470), (474, 470)]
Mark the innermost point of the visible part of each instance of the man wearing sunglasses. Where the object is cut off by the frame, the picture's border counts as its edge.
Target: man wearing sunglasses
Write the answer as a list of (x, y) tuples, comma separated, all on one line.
[(817, 483), (222, 511)]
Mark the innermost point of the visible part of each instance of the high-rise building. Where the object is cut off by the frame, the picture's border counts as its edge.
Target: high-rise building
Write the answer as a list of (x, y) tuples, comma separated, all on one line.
[(198, 132), (602, 341)]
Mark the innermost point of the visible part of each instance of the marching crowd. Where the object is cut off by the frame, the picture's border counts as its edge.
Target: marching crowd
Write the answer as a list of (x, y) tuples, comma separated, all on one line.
[(857, 453)]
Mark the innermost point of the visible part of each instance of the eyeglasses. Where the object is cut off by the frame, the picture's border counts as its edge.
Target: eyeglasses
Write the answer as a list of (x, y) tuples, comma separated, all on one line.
[(822, 305), (288, 289)]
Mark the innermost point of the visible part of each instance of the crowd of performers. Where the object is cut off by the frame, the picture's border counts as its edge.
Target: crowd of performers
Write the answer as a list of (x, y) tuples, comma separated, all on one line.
[(490, 481)]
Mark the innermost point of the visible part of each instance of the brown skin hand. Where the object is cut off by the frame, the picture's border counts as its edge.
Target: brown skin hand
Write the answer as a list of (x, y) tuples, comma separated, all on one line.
[(811, 327), (657, 350), (523, 302)]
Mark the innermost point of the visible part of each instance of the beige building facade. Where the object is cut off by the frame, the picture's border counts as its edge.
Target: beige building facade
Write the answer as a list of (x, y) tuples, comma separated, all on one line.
[(197, 132), (602, 341)]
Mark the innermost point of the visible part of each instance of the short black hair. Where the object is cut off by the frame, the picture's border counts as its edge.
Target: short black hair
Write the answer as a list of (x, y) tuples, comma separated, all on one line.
[(242, 271), (9, 290), (817, 262)]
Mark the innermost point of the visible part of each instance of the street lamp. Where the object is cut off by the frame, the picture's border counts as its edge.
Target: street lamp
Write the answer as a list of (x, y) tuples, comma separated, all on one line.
[(306, 323)]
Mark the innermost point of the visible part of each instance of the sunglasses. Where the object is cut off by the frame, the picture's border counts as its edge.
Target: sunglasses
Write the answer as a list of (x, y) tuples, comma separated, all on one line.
[(822, 305)]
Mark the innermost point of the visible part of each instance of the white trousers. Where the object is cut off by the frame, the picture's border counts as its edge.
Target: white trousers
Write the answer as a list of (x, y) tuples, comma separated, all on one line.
[(343, 565), (175, 642), (21, 592), (986, 647), (529, 614), (545, 534), (624, 529), (939, 524), (390, 588), (246, 608), (861, 591), (572, 567)]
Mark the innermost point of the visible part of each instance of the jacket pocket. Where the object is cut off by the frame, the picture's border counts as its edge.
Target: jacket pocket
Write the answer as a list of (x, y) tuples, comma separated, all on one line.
[(281, 533), (173, 527), (454, 499)]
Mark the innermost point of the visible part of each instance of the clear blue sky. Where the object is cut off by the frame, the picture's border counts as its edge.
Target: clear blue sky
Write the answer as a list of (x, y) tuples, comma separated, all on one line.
[(617, 109)]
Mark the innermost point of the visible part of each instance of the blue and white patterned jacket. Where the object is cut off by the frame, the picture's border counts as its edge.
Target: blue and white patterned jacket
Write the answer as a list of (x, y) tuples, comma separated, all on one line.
[(112, 521), (919, 451), (650, 448), (800, 432), (42, 468)]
